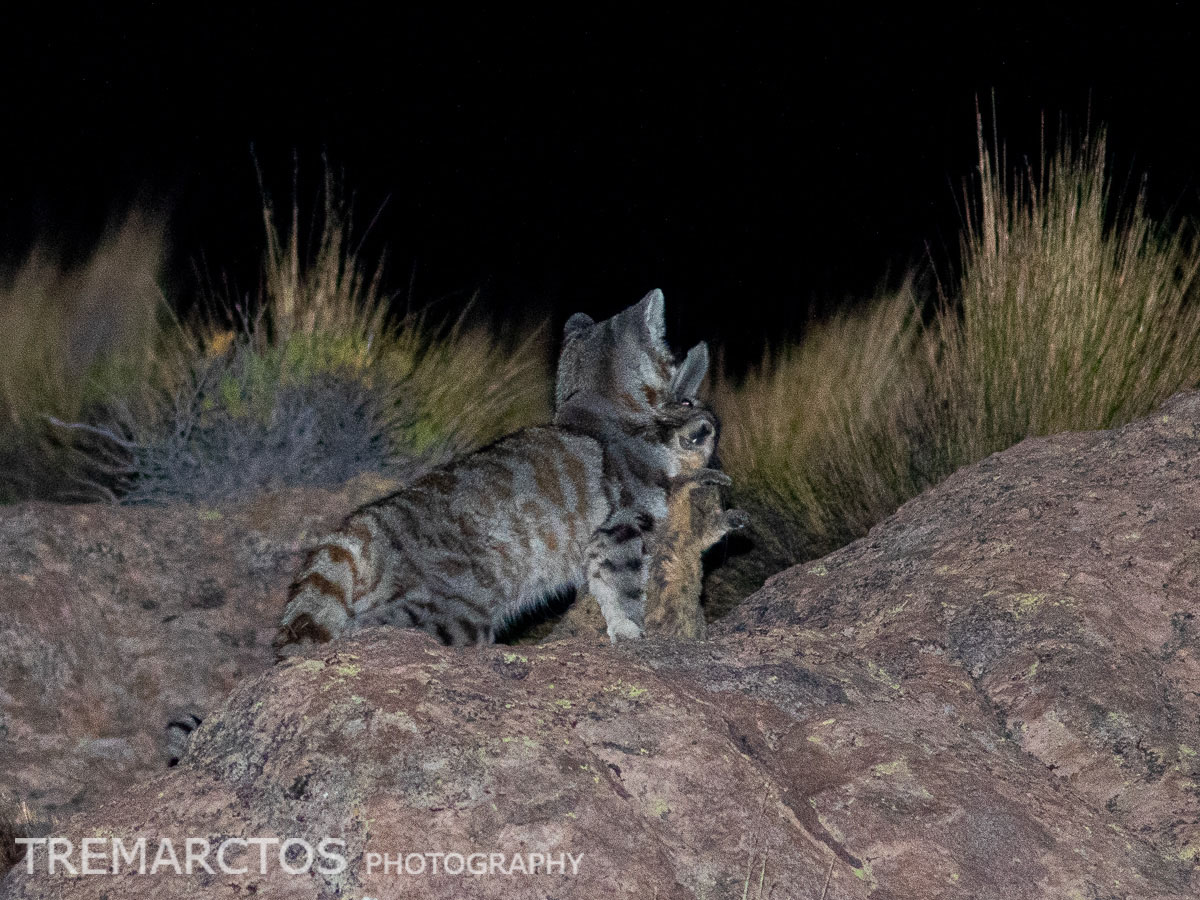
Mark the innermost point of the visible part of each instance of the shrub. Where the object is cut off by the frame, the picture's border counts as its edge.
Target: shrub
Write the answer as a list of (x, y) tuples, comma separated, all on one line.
[(105, 395), (210, 444), (819, 437), (1074, 311), (313, 412), (325, 383)]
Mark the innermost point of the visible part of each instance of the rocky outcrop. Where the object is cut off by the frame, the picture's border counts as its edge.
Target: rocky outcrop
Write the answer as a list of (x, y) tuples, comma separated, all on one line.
[(117, 618), (1061, 578), (994, 694)]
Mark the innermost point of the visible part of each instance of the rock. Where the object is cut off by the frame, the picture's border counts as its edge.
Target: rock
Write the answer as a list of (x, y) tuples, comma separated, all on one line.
[(1061, 578), (674, 770), (995, 693), (117, 618)]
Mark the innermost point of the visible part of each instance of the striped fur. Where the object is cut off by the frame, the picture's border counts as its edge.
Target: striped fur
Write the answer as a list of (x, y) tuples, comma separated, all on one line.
[(695, 521), (472, 545)]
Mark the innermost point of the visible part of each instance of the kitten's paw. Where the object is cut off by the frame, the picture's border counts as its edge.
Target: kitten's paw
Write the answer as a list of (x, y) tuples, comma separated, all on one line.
[(711, 476), (736, 519), (624, 630)]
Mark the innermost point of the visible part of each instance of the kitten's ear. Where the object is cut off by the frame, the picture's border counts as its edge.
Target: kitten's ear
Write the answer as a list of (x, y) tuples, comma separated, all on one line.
[(690, 374), (576, 325), (652, 308)]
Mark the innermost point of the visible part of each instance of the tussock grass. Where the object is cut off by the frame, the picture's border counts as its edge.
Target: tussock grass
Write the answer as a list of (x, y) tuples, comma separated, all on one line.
[(70, 340), (325, 291), (324, 312), (473, 386), (106, 395), (328, 381), (1074, 310), (819, 437)]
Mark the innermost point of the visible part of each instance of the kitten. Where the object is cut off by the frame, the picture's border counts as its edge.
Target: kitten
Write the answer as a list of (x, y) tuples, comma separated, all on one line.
[(695, 521)]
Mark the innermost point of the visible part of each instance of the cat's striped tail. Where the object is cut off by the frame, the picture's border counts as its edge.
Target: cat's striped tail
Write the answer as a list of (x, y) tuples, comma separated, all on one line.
[(321, 598)]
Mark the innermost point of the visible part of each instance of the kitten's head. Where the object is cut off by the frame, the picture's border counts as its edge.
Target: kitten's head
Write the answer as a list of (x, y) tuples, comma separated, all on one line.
[(623, 364), (690, 433)]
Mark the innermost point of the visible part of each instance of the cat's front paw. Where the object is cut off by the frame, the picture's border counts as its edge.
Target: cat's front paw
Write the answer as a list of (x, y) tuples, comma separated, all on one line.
[(624, 630)]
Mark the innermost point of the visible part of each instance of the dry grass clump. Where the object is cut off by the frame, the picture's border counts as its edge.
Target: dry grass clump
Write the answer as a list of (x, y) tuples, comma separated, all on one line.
[(327, 381), (1074, 310), (818, 438), (105, 395)]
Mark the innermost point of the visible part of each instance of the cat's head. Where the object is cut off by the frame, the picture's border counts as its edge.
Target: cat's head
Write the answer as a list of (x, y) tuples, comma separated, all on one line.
[(623, 364)]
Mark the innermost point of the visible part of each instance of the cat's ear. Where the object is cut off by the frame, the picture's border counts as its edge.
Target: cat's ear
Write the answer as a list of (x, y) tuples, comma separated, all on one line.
[(576, 325), (690, 374), (652, 309)]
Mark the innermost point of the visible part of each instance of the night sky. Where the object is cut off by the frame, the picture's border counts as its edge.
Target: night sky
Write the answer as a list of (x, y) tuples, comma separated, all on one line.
[(755, 168)]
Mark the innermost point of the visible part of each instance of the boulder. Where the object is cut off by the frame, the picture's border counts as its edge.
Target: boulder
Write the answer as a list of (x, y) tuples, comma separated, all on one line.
[(1061, 578), (116, 619), (996, 693)]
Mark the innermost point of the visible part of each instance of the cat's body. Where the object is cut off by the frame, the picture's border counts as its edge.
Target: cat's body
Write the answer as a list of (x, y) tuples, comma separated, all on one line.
[(472, 545)]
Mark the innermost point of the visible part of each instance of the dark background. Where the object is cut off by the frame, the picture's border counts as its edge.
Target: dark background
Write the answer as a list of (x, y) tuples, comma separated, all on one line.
[(756, 168)]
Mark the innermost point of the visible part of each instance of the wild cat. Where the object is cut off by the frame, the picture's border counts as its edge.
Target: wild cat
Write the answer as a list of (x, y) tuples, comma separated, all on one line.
[(696, 520), (471, 545), (606, 459)]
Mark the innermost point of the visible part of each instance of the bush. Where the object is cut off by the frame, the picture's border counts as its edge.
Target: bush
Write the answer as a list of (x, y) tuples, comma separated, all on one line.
[(322, 430), (819, 437), (303, 414), (320, 382), (1074, 310), (326, 383)]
